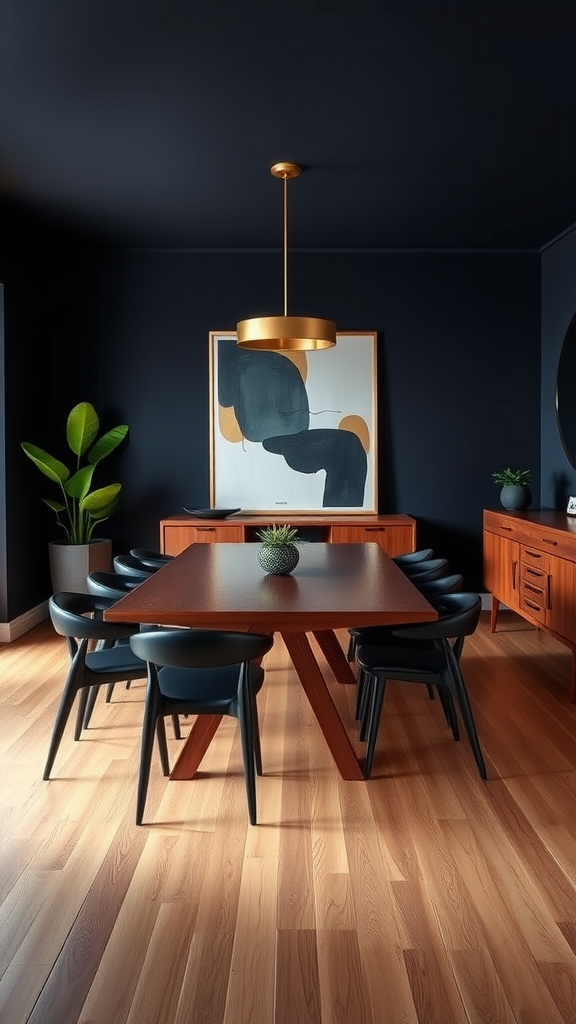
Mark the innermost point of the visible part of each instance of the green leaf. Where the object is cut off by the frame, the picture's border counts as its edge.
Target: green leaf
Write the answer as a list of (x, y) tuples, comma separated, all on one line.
[(98, 502), (79, 484), (54, 505), (107, 443), (82, 427), (46, 463)]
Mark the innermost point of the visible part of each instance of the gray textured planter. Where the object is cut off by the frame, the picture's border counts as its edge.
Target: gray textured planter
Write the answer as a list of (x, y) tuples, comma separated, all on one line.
[(71, 563), (279, 560), (516, 497)]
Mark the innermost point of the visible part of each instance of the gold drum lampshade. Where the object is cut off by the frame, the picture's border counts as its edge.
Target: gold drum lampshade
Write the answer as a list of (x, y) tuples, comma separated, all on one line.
[(286, 333)]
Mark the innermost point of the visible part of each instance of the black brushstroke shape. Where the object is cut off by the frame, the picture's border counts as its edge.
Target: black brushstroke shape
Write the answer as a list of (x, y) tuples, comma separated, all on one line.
[(339, 452), (266, 391)]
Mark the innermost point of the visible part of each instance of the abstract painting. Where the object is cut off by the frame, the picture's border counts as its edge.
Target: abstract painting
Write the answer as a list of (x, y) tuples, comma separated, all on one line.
[(293, 431)]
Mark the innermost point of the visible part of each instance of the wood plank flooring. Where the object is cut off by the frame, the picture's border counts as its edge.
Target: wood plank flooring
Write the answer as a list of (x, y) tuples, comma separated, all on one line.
[(424, 896)]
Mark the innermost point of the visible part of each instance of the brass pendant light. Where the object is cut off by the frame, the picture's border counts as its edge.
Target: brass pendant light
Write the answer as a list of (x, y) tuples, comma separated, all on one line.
[(286, 333)]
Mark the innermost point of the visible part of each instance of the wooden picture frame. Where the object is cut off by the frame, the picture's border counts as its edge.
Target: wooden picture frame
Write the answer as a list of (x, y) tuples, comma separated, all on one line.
[(294, 431)]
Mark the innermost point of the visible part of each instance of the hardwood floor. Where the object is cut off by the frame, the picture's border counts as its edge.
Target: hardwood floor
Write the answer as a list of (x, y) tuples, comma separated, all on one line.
[(424, 896)]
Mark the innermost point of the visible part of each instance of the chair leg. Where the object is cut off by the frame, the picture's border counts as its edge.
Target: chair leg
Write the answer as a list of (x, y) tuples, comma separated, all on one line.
[(176, 727), (247, 737), (90, 702), (162, 745), (449, 710), (378, 687), (256, 735), (467, 716), (83, 695), (151, 715), (62, 715)]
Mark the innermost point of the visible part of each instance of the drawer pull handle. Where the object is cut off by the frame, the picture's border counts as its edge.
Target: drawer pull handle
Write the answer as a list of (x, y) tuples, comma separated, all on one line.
[(206, 529), (552, 542), (375, 529), (509, 528), (534, 590), (536, 607), (532, 554), (532, 572)]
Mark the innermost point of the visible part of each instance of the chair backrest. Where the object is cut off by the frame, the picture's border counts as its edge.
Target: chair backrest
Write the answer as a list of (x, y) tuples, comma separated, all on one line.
[(79, 616), (199, 648), (425, 566), (111, 584), (410, 557), (130, 566), (150, 559), (459, 614), (442, 585)]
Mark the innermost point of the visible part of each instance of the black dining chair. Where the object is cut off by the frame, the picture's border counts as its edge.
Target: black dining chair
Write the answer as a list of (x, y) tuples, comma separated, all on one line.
[(111, 584), (425, 570), (377, 634), (128, 565), (150, 559), (412, 557), (78, 618), (114, 585), (423, 652), (201, 672)]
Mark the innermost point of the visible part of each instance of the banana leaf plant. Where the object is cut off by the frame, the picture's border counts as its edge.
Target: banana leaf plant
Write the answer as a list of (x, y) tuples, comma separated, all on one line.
[(80, 509)]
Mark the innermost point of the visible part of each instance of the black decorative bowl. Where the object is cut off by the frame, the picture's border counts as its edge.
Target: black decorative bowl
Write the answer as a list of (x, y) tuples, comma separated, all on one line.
[(211, 513)]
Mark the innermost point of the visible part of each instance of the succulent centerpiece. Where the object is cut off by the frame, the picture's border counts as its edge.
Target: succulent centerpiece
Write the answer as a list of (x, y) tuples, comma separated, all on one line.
[(278, 553)]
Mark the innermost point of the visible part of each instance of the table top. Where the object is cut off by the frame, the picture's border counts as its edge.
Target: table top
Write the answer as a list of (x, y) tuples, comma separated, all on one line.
[(223, 586)]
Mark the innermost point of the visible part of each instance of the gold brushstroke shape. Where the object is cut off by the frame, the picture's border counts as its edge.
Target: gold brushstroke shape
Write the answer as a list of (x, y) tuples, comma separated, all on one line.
[(357, 425), (228, 424)]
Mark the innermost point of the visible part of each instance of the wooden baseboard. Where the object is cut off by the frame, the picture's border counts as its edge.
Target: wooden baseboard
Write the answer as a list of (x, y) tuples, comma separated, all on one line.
[(12, 630)]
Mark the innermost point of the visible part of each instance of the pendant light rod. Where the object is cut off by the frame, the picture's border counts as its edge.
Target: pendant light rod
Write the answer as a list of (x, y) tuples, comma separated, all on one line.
[(286, 333), (286, 170)]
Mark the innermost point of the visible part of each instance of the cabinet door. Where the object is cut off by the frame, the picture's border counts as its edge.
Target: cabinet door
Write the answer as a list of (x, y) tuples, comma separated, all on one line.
[(562, 602), (501, 565), (395, 539), (176, 538)]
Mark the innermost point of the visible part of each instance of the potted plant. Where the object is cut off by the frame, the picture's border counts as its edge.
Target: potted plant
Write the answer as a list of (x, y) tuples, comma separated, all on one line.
[(515, 493), (79, 509), (278, 553)]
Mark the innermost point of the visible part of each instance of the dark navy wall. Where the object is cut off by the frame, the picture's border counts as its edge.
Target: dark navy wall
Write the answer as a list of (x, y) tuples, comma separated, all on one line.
[(458, 379), (458, 388), (558, 308)]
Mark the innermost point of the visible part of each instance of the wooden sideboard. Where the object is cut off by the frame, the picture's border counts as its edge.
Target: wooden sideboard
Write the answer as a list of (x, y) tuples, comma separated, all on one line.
[(530, 566), (395, 533)]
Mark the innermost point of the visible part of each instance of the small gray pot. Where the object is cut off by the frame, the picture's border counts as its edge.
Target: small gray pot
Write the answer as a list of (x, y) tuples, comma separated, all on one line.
[(279, 560), (516, 497)]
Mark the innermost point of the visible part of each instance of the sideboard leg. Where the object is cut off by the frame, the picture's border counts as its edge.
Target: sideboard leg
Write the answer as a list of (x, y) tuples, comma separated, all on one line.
[(494, 613)]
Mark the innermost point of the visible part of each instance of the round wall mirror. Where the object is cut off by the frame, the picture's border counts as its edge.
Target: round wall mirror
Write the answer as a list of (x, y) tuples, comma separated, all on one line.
[(566, 392)]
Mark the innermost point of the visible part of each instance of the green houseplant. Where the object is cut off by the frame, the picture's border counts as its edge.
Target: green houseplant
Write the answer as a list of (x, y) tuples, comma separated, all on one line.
[(515, 493), (79, 509), (278, 553)]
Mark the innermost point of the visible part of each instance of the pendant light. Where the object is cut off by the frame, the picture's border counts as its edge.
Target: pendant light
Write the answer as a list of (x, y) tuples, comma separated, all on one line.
[(286, 333)]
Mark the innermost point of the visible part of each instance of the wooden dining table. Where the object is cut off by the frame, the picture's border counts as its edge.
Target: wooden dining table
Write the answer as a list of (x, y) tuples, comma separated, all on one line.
[(334, 586)]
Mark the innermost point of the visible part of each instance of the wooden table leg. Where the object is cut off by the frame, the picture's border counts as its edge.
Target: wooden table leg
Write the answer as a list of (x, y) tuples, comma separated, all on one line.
[(298, 647), (331, 649), (195, 746)]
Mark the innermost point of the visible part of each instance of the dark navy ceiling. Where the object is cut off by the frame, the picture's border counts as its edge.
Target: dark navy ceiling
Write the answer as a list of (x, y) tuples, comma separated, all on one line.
[(423, 124)]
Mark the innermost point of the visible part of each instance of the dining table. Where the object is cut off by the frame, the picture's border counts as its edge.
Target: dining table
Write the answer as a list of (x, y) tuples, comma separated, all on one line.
[(334, 586)]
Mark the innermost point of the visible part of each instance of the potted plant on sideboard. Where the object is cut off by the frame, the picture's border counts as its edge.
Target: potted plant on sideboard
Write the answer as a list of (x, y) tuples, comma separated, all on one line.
[(515, 493), (80, 509)]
